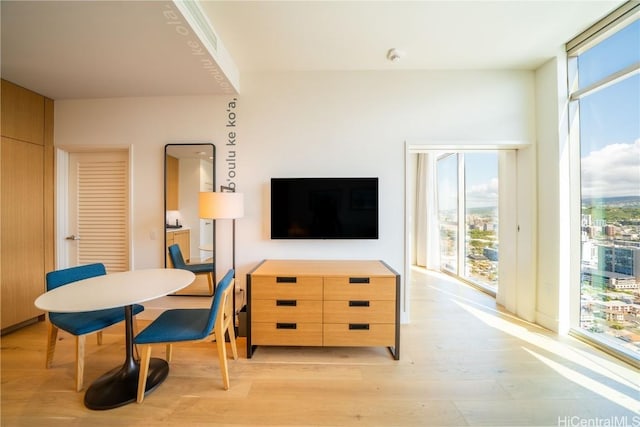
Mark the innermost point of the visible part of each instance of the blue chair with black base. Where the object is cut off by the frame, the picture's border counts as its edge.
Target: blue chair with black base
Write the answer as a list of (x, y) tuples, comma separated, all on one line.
[(202, 268), (192, 324), (82, 323)]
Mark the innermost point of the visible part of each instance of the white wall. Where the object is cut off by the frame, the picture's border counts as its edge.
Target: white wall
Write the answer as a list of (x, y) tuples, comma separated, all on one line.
[(145, 125), (553, 196), (305, 124)]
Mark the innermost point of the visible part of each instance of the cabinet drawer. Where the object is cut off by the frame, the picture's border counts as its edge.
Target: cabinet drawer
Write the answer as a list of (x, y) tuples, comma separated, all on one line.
[(359, 311), (286, 310), (353, 288), (358, 334), (286, 287), (286, 333)]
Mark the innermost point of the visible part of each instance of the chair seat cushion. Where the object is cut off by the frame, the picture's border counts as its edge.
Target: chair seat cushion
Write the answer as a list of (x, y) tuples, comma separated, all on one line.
[(186, 324), (199, 268), (90, 321)]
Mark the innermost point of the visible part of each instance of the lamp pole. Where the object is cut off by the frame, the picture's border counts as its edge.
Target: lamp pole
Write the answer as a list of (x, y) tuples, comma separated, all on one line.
[(233, 265), (224, 205)]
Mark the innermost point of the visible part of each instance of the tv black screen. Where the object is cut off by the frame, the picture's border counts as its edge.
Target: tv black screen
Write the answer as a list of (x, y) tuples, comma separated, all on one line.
[(324, 208)]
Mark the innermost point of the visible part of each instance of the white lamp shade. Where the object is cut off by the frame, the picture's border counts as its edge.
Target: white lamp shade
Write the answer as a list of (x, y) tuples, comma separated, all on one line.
[(221, 205)]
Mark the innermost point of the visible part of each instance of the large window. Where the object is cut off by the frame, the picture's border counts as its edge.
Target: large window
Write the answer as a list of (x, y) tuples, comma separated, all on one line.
[(468, 216), (604, 72)]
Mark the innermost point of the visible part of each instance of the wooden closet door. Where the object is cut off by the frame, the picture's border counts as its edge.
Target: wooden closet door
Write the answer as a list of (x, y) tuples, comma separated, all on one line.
[(23, 231)]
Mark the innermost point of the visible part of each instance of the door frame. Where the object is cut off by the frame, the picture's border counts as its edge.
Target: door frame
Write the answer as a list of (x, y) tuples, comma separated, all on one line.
[(412, 148), (62, 154)]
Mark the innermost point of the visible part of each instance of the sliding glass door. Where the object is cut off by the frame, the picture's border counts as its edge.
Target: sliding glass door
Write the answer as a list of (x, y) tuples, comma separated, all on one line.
[(468, 216)]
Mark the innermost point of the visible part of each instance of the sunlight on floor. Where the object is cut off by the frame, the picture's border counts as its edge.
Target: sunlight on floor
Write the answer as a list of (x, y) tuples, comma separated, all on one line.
[(589, 383), (550, 345)]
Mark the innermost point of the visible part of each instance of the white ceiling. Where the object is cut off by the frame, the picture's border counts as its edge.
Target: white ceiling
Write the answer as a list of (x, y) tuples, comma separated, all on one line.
[(131, 48), (355, 35), (96, 49)]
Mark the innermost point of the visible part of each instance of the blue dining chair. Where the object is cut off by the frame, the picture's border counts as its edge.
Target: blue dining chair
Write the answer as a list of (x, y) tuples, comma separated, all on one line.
[(203, 268), (80, 324), (192, 324)]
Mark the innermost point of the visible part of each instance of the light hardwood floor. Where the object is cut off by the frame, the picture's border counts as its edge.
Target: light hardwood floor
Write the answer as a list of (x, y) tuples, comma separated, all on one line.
[(463, 362)]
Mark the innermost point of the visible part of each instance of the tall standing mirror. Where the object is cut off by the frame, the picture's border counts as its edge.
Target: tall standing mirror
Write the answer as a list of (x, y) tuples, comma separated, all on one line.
[(189, 168)]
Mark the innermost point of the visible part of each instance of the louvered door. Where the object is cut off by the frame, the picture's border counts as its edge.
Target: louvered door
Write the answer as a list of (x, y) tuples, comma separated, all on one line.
[(99, 209)]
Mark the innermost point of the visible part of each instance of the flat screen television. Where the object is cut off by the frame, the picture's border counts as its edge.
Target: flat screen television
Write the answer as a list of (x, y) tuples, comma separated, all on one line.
[(324, 208)]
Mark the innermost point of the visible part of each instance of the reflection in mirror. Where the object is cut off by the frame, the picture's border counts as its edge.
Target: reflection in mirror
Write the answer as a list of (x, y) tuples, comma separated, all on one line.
[(189, 168)]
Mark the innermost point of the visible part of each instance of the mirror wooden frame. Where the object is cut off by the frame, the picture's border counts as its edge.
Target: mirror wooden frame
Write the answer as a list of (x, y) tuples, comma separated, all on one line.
[(192, 154)]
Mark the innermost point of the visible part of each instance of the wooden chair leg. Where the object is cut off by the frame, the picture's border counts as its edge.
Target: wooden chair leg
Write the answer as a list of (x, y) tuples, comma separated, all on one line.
[(169, 352), (144, 371), (52, 337), (210, 280), (232, 340), (222, 356), (228, 324), (80, 343)]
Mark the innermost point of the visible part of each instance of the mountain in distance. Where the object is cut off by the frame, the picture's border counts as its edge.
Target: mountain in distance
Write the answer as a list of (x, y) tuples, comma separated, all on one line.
[(483, 211), (612, 201)]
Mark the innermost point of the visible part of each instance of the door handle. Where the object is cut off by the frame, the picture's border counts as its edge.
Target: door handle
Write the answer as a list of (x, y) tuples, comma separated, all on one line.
[(72, 237)]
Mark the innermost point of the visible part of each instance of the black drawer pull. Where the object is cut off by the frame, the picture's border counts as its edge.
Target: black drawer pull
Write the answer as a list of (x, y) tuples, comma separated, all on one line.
[(286, 326), (286, 303), (358, 326), (285, 279), (358, 303), (358, 280)]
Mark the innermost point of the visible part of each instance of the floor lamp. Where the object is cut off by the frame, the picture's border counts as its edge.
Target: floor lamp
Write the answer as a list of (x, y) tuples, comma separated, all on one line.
[(219, 205)]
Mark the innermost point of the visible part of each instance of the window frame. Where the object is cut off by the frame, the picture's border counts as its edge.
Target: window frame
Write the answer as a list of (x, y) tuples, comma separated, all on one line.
[(623, 16)]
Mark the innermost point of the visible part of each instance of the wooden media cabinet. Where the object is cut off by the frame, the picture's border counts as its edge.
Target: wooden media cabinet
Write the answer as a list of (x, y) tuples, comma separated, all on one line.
[(351, 303)]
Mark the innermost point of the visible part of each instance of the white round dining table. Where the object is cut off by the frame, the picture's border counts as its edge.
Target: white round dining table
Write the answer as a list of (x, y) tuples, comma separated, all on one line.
[(119, 386), (114, 290)]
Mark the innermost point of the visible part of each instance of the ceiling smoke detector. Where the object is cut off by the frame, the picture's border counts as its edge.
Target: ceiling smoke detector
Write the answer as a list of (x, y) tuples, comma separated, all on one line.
[(394, 55)]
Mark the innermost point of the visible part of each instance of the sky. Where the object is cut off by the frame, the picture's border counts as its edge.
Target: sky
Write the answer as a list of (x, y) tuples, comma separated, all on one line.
[(481, 176), (610, 118)]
